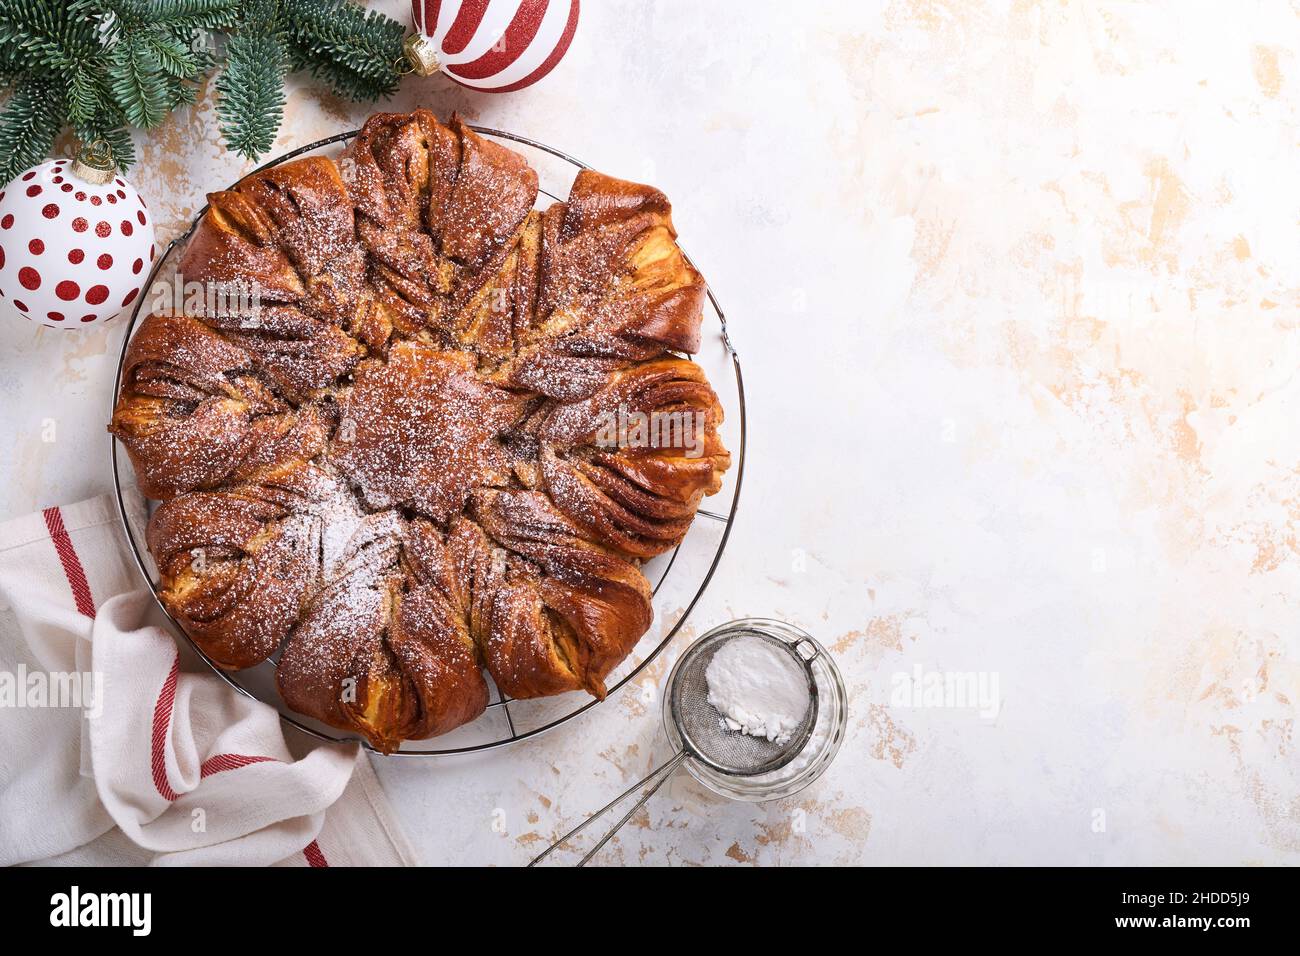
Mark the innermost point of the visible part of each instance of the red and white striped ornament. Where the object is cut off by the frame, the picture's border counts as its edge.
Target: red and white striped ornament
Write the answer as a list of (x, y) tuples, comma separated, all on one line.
[(496, 46), (74, 251)]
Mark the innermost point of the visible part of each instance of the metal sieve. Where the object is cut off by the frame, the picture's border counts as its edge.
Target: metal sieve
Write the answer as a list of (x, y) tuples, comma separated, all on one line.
[(705, 735)]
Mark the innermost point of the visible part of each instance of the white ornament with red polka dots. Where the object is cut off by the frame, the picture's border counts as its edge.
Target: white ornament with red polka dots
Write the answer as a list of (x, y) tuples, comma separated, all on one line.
[(72, 253)]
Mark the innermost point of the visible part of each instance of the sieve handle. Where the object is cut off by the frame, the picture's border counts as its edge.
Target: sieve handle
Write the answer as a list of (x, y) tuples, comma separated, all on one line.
[(651, 782)]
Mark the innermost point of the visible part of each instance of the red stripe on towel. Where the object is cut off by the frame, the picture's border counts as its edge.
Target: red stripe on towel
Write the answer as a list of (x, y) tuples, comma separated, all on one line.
[(72, 568), (315, 857), (162, 719), (222, 762), (162, 716)]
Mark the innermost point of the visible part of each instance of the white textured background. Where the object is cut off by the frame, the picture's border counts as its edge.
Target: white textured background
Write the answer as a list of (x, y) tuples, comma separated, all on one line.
[(1017, 291)]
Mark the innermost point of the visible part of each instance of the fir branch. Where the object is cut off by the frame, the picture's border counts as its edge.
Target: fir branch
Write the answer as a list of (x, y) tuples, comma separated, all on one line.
[(261, 14), (113, 17), (31, 120), (196, 14), (83, 97), (105, 101), (137, 84), (102, 66), (182, 94), (351, 49), (251, 93), (36, 34), (126, 15), (171, 54)]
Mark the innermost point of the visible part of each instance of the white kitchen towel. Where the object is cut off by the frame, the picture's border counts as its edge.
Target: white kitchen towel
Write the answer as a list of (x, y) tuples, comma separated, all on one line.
[(113, 751)]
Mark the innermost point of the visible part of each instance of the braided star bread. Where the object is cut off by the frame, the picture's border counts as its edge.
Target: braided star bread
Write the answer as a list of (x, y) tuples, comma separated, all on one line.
[(390, 466)]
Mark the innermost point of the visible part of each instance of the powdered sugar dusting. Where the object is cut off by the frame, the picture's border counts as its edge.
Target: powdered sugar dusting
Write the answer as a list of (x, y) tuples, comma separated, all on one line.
[(400, 370)]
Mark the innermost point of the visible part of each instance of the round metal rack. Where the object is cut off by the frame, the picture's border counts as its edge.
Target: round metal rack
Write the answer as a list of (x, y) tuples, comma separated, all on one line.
[(679, 577)]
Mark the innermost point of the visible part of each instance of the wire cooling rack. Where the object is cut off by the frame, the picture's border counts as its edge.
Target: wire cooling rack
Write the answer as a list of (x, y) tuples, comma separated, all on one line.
[(679, 578)]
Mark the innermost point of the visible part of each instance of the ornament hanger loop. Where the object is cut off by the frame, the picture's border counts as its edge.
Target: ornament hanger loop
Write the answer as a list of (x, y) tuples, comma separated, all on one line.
[(94, 162), (421, 55)]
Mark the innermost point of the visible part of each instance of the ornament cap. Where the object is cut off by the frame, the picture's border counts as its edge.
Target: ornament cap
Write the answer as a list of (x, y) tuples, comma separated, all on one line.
[(94, 163), (421, 54)]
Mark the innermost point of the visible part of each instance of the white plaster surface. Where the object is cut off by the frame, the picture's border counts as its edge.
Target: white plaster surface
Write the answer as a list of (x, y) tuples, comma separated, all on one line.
[(1016, 289)]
